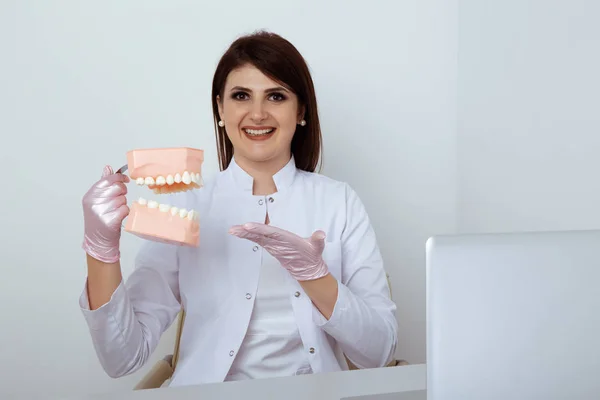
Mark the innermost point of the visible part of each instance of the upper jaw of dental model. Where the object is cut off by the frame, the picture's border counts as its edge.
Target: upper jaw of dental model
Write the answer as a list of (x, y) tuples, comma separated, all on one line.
[(172, 182), (166, 170)]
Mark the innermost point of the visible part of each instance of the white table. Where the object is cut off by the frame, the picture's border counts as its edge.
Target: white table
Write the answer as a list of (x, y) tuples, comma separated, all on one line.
[(409, 382)]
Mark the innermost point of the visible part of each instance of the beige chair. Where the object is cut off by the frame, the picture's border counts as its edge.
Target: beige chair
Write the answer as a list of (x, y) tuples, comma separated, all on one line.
[(163, 369)]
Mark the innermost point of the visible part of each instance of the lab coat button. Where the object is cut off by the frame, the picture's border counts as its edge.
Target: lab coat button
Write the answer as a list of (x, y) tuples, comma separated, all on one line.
[(311, 350), (248, 296), (297, 294), (255, 248), (231, 353), (271, 199), (260, 202)]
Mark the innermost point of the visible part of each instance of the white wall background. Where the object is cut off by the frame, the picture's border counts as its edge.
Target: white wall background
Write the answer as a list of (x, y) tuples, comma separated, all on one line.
[(83, 82), (529, 115)]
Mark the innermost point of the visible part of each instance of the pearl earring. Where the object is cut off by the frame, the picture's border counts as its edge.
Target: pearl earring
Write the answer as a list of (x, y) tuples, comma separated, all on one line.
[(221, 124), (303, 122)]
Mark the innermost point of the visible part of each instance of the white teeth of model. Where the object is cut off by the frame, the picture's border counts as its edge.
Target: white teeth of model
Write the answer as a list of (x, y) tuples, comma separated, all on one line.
[(164, 207), (174, 211), (183, 213), (161, 180), (139, 181), (152, 204), (186, 178), (191, 215), (177, 178), (142, 201), (149, 180), (170, 179)]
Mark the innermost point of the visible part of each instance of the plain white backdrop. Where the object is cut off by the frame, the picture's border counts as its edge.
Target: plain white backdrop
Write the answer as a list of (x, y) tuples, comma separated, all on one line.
[(444, 115), (528, 115)]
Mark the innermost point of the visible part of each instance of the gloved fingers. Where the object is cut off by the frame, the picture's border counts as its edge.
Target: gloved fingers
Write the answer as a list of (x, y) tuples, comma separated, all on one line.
[(109, 180), (242, 233), (103, 206), (113, 219), (107, 195), (236, 229), (121, 212), (119, 202), (318, 235), (117, 189), (270, 231), (107, 171), (272, 240), (317, 240)]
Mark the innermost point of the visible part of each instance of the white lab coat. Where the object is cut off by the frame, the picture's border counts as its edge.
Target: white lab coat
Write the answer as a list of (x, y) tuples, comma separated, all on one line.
[(216, 282)]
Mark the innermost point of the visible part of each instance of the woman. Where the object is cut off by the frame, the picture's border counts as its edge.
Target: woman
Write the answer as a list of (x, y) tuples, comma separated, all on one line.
[(288, 278)]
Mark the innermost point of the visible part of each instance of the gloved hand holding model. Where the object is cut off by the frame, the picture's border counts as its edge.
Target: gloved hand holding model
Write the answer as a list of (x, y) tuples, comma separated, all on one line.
[(162, 170), (104, 209), (300, 256)]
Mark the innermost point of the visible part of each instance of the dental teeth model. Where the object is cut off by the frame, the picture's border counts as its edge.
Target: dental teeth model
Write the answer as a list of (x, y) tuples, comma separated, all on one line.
[(163, 171)]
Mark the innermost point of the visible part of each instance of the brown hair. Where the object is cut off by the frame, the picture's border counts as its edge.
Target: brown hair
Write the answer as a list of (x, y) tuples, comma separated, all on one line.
[(278, 59)]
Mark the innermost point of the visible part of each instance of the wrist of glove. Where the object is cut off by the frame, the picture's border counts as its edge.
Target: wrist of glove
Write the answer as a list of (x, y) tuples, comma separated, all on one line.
[(101, 249), (302, 257)]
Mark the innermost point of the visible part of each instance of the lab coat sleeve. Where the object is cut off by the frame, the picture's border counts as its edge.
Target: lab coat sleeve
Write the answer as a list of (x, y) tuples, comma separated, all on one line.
[(126, 330), (363, 321)]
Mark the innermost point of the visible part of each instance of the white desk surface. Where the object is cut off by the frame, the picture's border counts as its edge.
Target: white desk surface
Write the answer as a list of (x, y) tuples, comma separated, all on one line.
[(410, 379)]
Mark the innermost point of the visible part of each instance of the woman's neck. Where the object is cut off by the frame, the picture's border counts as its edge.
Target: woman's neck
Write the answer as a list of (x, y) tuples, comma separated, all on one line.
[(263, 172)]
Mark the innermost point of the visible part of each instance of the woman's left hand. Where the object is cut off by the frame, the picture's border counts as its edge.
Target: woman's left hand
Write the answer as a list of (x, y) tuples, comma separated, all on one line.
[(300, 256)]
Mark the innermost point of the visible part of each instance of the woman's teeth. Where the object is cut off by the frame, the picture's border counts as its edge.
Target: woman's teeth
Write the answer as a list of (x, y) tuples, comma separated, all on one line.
[(257, 132)]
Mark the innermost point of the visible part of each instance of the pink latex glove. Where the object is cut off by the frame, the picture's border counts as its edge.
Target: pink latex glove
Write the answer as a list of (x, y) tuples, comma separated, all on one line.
[(104, 209), (300, 256)]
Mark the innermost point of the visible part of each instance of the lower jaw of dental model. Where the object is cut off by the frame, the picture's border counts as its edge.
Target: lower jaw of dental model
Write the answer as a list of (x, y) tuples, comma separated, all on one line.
[(167, 170)]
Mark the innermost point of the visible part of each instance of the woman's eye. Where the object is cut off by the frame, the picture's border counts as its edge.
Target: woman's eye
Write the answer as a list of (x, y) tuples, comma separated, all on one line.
[(239, 96), (277, 97)]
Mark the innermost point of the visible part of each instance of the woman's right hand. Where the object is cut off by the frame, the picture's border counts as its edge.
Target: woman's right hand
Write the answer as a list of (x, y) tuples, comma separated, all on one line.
[(104, 209)]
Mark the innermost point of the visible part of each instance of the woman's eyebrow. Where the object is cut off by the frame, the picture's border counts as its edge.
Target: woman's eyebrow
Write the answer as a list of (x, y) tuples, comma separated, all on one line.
[(270, 90)]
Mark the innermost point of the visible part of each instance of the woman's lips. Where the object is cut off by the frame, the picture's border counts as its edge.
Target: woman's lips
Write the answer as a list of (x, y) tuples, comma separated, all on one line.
[(258, 133)]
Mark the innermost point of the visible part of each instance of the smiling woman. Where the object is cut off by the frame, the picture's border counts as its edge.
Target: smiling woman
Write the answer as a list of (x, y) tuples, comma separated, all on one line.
[(263, 92), (287, 278), (260, 118)]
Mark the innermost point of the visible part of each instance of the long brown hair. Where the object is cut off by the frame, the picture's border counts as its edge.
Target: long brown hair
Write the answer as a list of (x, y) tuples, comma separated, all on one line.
[(278, 59)]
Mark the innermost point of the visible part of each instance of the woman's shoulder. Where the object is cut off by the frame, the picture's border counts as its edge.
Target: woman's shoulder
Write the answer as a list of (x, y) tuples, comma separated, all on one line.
[(340, 194), (324, 183)]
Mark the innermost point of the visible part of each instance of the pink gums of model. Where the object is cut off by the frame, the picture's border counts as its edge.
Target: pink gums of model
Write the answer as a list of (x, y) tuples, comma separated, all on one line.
[(167, 170)]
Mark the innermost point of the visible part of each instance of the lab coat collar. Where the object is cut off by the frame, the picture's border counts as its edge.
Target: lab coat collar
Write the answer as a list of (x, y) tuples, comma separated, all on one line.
[(282, 178)]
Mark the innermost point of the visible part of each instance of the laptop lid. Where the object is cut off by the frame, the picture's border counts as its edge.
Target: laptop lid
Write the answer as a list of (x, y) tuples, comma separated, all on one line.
[(513, 316)]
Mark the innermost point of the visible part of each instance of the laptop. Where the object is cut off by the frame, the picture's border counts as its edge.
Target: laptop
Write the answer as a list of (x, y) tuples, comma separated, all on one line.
[(513, 316), (410, 395)]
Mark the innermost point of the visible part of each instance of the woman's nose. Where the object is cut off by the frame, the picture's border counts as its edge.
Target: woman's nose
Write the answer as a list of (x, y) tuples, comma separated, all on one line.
[(258, 112)]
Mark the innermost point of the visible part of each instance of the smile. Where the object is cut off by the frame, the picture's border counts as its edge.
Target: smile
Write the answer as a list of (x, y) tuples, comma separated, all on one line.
[(258, 132)]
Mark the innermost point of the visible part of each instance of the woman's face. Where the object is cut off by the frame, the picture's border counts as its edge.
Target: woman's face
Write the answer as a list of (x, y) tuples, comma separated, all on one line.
[(260, 116)]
